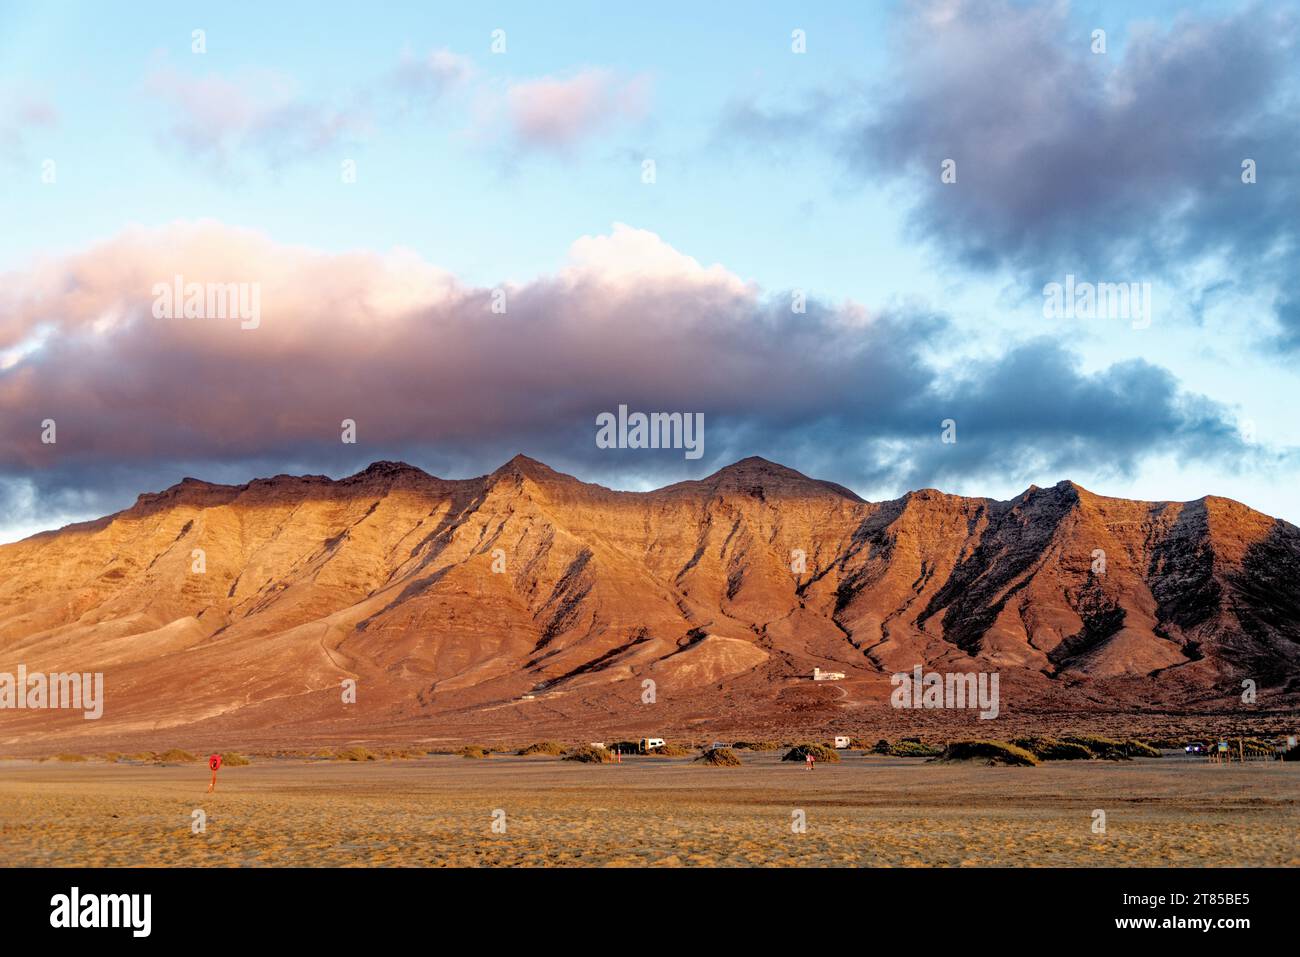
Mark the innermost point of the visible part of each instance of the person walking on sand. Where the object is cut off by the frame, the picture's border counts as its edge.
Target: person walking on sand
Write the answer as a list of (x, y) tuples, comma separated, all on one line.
[(214, 762), (811, 760)]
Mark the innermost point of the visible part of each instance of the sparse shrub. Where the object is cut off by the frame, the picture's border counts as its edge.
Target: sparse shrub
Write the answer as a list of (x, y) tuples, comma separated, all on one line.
[(989, 752), (589, 755), (141, 756), (672, 751), (720, 758), (399, 754), (1140, 749), (473, 751), (233, 759), (549, 748), (1108, 749), (1050, 749), (756, 745), (71, 757), (880, 747), (914, 749), (175, 756), (112, 757), (820, 752), (353, 754)]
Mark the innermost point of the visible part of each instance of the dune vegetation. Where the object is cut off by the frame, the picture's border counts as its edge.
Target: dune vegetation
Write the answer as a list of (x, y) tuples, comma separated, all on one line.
[(175, 756), (819, 752), (720, 758), (548, 748), (989, 752), (589, 755)]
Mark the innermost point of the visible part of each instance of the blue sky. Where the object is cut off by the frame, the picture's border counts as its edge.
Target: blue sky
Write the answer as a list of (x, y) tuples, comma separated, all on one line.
[(813, 171)]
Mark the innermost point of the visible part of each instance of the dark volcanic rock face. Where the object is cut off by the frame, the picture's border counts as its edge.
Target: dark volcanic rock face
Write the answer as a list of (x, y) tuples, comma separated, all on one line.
[(449, 601)]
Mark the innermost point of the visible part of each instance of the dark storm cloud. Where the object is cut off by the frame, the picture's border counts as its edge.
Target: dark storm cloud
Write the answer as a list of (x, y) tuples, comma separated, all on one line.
[(1123, 166), (1065, 156)]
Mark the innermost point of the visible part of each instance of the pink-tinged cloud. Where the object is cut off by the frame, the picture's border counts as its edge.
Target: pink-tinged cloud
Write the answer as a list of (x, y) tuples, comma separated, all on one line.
[(429, 77), (224, 120), (431, 372), (558, 113), (19, 117)]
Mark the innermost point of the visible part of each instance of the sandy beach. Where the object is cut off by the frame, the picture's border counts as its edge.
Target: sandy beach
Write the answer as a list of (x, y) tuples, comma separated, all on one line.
[(440, 810)]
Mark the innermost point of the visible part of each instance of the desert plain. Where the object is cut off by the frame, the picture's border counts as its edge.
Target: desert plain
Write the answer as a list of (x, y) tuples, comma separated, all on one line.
[(439, 810)]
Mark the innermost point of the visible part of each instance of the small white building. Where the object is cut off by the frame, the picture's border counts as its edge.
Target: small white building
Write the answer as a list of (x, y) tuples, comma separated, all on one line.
[(596, 744), (819, 675), (841, 742)]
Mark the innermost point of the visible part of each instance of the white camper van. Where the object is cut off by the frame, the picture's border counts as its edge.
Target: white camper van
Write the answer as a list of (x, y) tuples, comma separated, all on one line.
[(651, 744)]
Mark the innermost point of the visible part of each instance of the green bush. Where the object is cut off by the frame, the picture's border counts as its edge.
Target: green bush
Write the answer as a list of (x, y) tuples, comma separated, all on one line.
[(1140, 749), (989, 752), (819, 752), (720, 758), (914, 749), (1108, 749), (1049, 749), (589, 755), (756, 745)]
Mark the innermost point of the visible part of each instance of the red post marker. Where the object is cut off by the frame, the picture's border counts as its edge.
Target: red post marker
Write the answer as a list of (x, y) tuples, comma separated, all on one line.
[(214, 762)]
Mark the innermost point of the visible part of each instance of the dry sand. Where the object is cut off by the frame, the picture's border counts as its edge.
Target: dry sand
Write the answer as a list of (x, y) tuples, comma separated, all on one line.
[(438, 811)]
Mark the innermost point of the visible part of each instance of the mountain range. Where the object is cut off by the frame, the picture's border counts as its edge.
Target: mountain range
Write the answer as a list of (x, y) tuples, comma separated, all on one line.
[(527, 603)]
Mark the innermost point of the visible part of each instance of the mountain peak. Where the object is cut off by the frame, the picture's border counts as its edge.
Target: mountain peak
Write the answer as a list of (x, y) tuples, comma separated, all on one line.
[(386, 467), (757, 461), (759, 477), (523, 466), (521, 461), (757, 468)]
